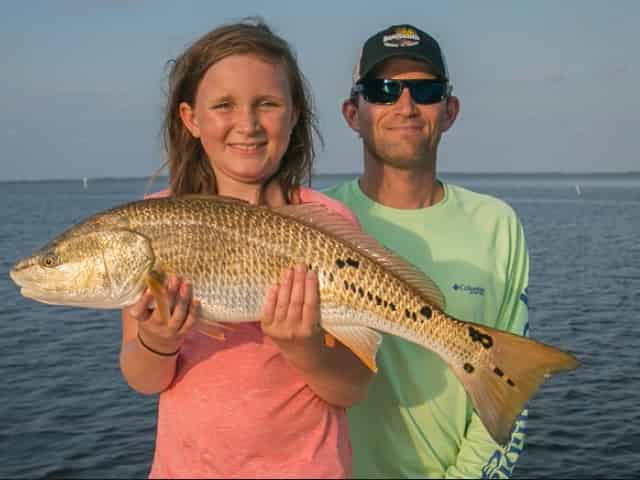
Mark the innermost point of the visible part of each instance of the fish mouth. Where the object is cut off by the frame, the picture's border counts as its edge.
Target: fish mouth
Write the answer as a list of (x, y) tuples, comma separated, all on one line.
[(34, 288), (24, 276), (19, 265), (51, 298), (14, 273), (42, 296), (30, 287)]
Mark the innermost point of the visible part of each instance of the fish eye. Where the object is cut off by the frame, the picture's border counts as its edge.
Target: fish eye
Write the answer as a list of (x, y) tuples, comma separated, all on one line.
[(50, 260)]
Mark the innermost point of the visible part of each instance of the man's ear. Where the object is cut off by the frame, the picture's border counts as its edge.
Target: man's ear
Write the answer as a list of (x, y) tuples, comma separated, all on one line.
[(453, 108), (350, 114), (189, 120)]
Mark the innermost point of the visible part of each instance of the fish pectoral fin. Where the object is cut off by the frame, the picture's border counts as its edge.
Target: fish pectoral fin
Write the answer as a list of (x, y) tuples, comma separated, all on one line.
[(212, 329), (362, 341), (155, 283), (329, 341)]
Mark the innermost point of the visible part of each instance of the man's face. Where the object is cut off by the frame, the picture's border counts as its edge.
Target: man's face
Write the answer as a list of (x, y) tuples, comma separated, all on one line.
[(404, 135)]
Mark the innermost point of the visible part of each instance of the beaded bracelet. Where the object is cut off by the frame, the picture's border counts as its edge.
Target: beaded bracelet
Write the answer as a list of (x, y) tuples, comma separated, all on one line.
[(162, 354)]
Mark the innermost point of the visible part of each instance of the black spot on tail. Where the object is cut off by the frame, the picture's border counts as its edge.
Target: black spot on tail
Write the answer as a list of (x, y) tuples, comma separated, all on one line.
[(477, 336), (426, 311)]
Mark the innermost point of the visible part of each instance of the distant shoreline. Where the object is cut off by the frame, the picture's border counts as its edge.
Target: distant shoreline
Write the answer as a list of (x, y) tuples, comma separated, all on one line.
[(355, 174)]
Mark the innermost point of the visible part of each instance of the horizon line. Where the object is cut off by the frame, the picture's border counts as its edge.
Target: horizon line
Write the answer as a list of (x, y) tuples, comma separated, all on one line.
[(461, 173)]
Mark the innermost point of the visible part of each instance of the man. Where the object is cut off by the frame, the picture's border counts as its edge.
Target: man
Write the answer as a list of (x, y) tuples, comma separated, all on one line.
[(418, 420)]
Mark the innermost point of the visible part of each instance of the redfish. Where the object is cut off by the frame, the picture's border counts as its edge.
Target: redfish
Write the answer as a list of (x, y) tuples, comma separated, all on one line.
[(232, 252)]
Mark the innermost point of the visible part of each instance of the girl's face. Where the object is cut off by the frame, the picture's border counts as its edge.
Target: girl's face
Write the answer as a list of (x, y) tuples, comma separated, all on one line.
[(243, 116)]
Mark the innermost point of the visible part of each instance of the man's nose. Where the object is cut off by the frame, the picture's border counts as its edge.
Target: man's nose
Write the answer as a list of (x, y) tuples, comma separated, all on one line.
[(405, 103)]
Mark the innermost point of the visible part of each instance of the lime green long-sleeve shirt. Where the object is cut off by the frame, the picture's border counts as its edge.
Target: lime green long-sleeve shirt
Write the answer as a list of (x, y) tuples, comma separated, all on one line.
[(418, 421)]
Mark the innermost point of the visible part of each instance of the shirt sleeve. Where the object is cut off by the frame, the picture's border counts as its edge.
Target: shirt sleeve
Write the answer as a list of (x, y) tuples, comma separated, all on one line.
[(160, 194), (308, 195), (479, 456)]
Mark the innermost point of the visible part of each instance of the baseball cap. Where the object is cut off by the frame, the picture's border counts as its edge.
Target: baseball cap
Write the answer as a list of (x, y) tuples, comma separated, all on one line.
[(400, 41)]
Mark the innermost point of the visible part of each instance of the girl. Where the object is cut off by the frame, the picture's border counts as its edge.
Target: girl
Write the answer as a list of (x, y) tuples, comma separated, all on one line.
[(270, 399)]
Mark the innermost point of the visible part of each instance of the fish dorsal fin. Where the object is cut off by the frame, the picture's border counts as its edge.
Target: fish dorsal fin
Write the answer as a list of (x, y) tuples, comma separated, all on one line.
[(205, 196), (329, 222)]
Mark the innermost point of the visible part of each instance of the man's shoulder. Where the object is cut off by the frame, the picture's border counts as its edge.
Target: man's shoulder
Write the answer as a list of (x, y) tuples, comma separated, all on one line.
[(480, 203), (342, 191)]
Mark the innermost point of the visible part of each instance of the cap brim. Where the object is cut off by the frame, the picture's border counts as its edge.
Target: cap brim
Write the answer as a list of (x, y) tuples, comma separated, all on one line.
[(389, 55)]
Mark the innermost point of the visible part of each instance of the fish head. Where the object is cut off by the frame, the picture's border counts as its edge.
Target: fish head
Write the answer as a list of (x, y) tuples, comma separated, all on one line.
[(103, 268)]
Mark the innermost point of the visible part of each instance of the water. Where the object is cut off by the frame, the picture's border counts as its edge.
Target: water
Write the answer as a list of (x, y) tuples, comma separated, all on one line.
[(66, 411)]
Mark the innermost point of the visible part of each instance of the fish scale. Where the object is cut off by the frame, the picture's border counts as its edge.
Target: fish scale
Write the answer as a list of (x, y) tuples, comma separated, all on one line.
[(232, 252)]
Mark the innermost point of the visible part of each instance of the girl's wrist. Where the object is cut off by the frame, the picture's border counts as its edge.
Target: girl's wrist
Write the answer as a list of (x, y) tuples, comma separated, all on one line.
[(155, 351)]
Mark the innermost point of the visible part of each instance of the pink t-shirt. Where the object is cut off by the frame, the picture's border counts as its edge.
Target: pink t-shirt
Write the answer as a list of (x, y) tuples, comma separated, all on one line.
[(237, 409)]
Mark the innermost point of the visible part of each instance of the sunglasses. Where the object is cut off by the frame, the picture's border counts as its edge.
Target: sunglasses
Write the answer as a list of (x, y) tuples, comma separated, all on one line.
[(387, 91)]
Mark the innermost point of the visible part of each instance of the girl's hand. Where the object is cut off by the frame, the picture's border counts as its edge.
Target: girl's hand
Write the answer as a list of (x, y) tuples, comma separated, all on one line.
[(291, 315), (161, 334)]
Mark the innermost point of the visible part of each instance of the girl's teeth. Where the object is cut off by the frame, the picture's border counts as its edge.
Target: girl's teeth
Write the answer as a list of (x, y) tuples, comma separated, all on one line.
[(246, 148)]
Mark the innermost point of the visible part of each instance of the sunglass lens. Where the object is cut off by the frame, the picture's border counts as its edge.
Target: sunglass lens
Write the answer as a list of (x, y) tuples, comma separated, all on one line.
[(379, 90), (384, 90), (426, 92)]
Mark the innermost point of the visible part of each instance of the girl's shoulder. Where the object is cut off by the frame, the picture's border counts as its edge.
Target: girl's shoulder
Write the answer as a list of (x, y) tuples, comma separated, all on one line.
[(308, 195), (161, 194)]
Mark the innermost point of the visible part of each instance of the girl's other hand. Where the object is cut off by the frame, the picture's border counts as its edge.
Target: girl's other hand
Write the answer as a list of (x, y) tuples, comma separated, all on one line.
[(166, 334)]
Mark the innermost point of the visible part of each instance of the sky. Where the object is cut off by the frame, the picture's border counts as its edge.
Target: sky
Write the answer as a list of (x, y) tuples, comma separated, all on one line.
[(544, 86)]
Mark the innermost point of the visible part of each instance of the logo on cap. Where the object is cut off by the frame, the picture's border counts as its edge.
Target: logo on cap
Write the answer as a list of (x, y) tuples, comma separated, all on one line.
[(401, 37)]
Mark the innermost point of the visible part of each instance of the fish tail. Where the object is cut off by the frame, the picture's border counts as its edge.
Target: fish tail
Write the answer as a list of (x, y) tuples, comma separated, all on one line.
[(500, 388)]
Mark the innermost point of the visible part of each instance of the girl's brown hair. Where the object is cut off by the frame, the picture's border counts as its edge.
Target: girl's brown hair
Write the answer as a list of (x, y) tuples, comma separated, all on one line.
[(189, 167)]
